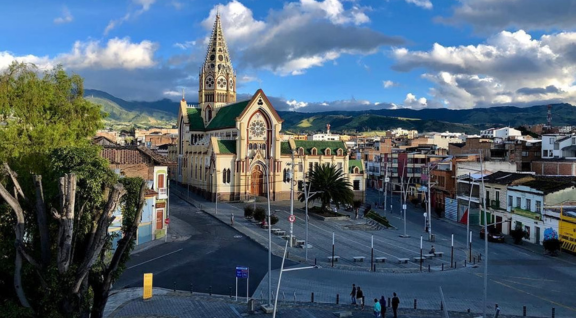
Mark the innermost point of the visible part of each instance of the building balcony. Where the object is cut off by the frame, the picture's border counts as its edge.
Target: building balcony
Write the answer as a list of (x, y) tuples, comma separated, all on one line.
[(526, 213), (495, 204), (162, 193)]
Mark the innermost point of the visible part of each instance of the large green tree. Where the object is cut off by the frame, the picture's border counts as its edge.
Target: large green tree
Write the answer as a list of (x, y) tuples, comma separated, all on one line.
[(57, 198), (41, 111), (329, 183)]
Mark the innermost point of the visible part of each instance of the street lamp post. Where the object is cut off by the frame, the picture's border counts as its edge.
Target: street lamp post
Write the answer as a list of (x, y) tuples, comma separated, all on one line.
[(269, 237), (291, 177), (404, 192)]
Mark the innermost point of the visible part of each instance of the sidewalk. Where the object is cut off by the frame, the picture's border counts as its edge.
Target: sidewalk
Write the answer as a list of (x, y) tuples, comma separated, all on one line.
[(167, 303)]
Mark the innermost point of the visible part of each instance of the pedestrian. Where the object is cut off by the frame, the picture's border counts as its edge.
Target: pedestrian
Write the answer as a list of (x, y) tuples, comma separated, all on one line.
[(353, 294), (395, 303), (360, 297), (432, 250), (356, 214), (497, 311), (377, 308), (383, 306)]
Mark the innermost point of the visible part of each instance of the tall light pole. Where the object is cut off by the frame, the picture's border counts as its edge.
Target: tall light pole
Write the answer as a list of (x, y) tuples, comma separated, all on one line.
[(291, 177), (269, 236), (485, 237)]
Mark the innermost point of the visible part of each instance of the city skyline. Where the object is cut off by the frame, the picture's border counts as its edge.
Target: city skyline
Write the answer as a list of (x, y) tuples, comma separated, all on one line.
[(388, 54)]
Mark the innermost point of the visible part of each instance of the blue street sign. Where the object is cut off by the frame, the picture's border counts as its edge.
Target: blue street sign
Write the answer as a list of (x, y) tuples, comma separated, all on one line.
[(241, 272)]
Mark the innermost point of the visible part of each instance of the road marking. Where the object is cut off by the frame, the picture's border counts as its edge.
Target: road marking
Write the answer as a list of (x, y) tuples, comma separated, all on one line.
[(235, 311), (541, 298), (150, 260)]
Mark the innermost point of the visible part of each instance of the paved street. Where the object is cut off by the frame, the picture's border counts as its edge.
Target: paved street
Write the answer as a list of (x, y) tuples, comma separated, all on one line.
[(207, 259), (517, 277)]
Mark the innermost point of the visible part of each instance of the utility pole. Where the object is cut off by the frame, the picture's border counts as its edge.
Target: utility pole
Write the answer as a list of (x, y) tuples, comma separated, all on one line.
[(485, 238)]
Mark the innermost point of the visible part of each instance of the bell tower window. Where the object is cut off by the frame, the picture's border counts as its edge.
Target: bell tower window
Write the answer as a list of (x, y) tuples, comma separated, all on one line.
[(208, 113)]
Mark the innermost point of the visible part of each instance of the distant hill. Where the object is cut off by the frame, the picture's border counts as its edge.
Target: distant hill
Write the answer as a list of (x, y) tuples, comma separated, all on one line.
[(124, 114), (163, 113)]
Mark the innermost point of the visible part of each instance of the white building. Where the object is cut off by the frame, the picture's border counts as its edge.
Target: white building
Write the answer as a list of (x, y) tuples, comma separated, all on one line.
[(558, 146), (527, 201), (502, 133)]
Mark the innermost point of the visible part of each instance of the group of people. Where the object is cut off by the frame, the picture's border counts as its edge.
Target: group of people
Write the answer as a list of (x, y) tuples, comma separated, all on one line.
[(358, 299)]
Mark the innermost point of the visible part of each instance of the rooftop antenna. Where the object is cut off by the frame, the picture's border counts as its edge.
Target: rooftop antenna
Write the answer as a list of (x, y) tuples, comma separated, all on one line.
[(549, 124)]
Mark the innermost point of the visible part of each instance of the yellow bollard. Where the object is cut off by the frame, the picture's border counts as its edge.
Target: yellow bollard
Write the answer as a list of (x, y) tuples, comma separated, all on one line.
[(147, 294)]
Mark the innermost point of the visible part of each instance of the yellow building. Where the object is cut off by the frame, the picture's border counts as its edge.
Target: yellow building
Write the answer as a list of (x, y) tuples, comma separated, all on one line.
[(228, 147)]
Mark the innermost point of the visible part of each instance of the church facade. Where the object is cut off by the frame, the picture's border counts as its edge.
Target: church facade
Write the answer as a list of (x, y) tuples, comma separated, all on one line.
[(233, 150)]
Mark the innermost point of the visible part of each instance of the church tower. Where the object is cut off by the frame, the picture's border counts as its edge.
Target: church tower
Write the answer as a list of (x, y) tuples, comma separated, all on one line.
[(217, 79)]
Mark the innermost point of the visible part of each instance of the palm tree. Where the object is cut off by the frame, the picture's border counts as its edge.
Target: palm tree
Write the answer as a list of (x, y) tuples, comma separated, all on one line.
[(329, 183)]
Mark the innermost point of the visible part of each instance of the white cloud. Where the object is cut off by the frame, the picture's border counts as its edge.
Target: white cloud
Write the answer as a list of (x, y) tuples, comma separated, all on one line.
[(239, 25), (248, 79), (286, 42), (389, 83), (510, 68), (426, 4), (295, 105), (65, 18), (412, 102), (116, 54), (141, 6), (186, 45), (490, 15)]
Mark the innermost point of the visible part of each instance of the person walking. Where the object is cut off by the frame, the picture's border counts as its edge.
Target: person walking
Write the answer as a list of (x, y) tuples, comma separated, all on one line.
[(383, 306), (377, 308), (395, 303), (353, 294), (360, 297), (497, 308)]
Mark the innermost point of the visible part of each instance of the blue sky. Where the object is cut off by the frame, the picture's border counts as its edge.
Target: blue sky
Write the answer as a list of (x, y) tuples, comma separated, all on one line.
[(310, 55)]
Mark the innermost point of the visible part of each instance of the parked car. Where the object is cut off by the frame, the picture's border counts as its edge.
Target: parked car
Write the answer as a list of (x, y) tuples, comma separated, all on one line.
[(493, 235)]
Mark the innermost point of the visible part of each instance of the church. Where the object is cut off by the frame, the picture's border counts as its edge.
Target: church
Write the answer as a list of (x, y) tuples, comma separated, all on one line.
[(234, 150)]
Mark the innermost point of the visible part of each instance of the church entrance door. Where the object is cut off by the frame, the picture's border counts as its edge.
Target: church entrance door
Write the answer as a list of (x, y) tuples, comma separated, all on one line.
[(257, 184)]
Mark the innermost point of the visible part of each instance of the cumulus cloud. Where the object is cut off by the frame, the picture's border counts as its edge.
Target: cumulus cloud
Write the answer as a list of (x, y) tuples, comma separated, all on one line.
[(282, 104), (65, 18), (489, 15), (138, 7), (116, 54), (510, 68), (426, 4), (412, 102), (299, 36)]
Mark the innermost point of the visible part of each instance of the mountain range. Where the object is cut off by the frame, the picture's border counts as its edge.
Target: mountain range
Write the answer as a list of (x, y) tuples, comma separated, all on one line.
[(162, 113)]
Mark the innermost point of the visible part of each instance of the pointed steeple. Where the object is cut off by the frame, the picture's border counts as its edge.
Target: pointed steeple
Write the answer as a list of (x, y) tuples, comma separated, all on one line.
[(217, 77), (217, 57)]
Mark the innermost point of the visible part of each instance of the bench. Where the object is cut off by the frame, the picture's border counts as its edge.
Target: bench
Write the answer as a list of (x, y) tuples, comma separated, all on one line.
[(300, 242), (418, 258), (439, 254), (358, 258), (274, 230), (336, 258), (264, 226), (428, 255), (380, 259), (280, 233), (403, 260)]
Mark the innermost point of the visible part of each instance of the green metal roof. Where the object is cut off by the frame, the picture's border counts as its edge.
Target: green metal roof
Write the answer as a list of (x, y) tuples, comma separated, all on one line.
[(309, 144), (194, 119), (227, 146), (226, 116), (355, 163)]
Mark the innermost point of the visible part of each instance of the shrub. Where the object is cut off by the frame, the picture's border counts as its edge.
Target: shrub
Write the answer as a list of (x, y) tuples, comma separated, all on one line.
[(259, 214), (248, 211), (274, 219), (415, 201), (378, 218), (552, 245), (517, 235)]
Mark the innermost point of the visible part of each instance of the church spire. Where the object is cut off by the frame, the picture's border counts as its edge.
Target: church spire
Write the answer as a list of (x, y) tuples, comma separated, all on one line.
[(217, 78)]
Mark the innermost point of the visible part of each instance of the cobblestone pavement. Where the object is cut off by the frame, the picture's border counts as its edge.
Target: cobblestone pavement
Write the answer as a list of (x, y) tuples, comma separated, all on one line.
[(184, 305)]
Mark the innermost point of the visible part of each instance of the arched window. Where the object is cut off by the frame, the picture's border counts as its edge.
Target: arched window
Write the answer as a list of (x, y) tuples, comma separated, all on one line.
[(224, 176), (228, 176), (300, 151), (208, 113), (328, 152), (284, 176), (339, 152), (314, 152), (356, 170), (249, 146)]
